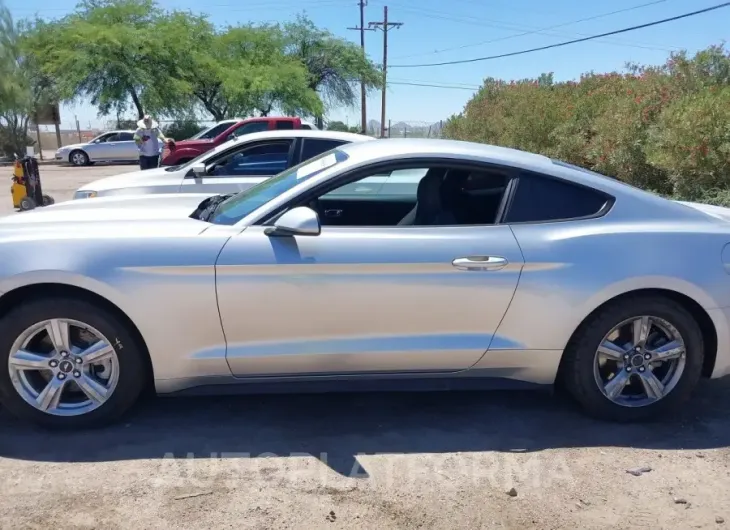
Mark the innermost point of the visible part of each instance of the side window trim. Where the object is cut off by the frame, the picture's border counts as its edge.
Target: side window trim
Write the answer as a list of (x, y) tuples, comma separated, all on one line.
[(512, 189), (359, 173)]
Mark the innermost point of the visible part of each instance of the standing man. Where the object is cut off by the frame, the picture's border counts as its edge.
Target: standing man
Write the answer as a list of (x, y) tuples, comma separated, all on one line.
[(148, 138)]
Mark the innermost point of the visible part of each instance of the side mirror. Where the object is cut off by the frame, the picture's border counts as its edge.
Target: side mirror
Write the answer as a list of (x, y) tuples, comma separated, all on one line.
[(231, 136), (301, 221), (199, 170)]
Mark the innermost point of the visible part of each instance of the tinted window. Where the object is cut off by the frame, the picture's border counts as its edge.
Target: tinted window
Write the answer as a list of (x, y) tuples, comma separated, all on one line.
[(546, 199), (215, 131), (260, 160), (312, 147), (125, 137), (111, 138), (284, 124), (256, 126)]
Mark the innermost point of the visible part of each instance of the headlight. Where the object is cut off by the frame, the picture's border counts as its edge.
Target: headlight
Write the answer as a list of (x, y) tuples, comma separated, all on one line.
[(84, 194)]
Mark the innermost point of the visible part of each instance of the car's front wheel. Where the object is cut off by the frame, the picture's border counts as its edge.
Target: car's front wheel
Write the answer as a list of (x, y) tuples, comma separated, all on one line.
[(78, 158), (68, 363), (635, 359)]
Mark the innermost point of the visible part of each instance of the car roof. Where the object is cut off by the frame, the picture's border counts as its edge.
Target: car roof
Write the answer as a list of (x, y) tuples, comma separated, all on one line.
[(305, 133), (387, 148)]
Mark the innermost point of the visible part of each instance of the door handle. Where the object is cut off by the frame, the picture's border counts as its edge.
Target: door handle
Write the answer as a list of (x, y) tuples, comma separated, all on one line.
[(480, 263), (333, 213)]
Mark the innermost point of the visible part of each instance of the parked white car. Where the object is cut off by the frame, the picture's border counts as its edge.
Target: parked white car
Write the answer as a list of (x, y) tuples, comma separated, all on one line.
[(113, 146), (229, 168)]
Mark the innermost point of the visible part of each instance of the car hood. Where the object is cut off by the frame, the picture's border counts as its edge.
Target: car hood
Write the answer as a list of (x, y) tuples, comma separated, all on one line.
[(133, 179), (108, 214), (207, 144), (73, 146)]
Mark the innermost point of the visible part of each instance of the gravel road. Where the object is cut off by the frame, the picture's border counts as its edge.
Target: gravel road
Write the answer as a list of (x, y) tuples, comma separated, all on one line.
[(367, 461), (385, 461)]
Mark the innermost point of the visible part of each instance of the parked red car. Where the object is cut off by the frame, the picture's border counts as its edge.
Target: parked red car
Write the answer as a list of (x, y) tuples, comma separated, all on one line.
[(185, 150)]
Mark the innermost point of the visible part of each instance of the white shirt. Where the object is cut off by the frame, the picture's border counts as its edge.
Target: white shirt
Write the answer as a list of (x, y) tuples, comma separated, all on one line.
[(152, 146)]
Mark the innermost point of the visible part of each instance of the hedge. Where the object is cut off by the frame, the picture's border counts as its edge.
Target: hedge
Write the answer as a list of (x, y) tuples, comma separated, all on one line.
[(663, 128)]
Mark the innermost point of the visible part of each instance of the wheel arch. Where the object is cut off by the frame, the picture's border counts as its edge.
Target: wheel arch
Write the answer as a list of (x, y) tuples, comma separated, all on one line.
[(79, 150), (707, 327), (25, 293)]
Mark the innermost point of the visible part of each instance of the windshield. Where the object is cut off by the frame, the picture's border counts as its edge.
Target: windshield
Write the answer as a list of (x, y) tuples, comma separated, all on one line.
[(212, 131), (232, 210)]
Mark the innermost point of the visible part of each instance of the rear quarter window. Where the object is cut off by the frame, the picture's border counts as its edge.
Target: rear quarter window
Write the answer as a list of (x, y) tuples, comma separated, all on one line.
[(540, 198)]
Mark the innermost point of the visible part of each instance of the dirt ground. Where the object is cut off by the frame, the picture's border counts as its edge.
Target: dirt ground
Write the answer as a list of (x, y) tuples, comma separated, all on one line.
[(367, 461)]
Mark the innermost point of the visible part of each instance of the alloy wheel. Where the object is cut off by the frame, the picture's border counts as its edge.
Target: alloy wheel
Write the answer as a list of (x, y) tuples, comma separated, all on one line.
[(639, 361), (63, 367)]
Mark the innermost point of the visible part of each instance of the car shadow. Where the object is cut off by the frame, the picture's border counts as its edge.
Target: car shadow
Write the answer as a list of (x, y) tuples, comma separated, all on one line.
[(338, 427)]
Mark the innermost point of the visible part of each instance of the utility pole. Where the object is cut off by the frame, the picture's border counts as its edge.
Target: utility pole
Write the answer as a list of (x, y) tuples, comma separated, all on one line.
[(385, 26), (363, 95)]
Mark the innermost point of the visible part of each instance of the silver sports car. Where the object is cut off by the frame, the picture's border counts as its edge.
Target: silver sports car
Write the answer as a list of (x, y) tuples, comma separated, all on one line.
[(457, 266)]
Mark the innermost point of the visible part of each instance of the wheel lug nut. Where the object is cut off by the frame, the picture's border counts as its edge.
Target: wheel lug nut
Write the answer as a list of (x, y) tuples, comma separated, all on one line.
[(642, 369), (64, 354), (53, 364), (647, 356), (626, 357), (628, 368), (62, 376), (77, 374), (79, 360), (638, 348)]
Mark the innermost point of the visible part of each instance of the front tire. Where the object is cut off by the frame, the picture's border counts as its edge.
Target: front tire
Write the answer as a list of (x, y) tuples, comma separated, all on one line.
[(635, 359), (78, 158), (67, 363)]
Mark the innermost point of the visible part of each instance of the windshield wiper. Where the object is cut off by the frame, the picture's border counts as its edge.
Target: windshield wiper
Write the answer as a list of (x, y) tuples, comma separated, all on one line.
[(206, 209)]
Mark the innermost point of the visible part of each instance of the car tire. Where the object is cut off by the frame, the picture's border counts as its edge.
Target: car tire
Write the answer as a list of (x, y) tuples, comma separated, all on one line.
[(581, 372), (78, 158), (131, 366)]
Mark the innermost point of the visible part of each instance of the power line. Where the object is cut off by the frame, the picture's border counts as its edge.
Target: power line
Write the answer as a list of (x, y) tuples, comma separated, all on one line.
[(467, 19), (538, 30), (435, 86), (574, 41)]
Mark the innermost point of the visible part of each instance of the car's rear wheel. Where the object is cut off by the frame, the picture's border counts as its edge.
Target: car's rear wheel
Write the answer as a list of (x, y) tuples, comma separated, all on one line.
[(78, 158), (67, 363), (636, 359)]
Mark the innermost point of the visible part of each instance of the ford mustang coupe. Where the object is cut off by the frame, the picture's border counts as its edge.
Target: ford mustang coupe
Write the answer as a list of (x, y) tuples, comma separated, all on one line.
[(376, 265)]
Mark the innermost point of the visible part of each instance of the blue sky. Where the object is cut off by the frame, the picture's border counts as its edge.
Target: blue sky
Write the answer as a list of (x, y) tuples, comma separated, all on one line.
[(436, 30)]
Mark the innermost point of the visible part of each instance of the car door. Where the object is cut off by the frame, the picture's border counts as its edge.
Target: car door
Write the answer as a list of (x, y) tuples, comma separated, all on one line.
[(99, 148), (124, 148), (241, 167), (365, 299)]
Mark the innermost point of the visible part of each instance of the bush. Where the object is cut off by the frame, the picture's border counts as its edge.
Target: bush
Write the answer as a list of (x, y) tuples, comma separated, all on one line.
[(182, 129), (662, 128)]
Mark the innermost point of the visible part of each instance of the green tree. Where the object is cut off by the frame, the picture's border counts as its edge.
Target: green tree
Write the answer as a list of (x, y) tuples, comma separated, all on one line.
[(335, 66), (341, 126), (22, 87), (111, 52)]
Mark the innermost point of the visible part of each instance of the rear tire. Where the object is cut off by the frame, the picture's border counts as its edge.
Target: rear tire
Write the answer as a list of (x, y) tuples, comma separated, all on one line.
[(584, 375), (129, 368), (78, 158)]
